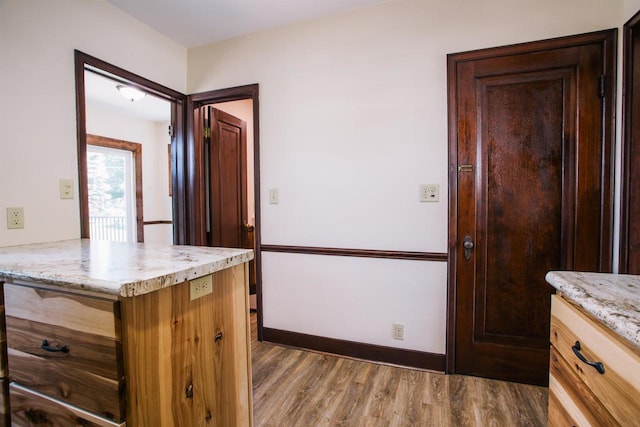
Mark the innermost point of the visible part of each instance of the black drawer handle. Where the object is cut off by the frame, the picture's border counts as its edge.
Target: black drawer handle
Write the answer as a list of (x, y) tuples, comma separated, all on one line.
[(597, 365), (218, 337), (45, 346)]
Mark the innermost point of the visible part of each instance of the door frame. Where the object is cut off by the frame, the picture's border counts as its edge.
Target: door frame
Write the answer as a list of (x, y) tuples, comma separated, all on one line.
[(608, 39), (195, 177), (630, 143), (178, 149)]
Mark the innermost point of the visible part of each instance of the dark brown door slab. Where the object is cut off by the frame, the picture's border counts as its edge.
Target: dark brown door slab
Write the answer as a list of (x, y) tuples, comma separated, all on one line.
[(530, 178), (630, 215), (227, 180)]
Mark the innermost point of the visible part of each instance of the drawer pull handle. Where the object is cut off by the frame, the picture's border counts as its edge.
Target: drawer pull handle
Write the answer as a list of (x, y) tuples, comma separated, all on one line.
[(45, 346), (597, 365), (218, 337)]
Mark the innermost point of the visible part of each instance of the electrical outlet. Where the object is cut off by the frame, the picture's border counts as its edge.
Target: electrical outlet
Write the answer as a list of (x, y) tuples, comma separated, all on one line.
[(429, 192), (274, 196), (201, 286), (397, 331), (15, 218)]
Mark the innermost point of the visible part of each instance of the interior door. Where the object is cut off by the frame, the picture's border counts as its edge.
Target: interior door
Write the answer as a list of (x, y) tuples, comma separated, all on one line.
[(530, 178), (226, 150)]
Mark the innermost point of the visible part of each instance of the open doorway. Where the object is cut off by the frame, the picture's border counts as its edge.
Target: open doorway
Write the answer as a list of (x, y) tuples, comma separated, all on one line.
[(227, 113), (154, 122)]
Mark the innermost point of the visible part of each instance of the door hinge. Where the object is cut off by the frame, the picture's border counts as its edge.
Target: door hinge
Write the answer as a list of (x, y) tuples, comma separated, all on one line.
[(207, 132), (603, 85)]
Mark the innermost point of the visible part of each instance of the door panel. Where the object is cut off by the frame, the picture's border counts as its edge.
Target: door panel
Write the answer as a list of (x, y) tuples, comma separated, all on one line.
[(228, 180), (530, 187), (522, 204)]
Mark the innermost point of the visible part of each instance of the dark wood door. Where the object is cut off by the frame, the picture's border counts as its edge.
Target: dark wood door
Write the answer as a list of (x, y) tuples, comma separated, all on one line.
[(530, 151), (227, 171), (630, 217)]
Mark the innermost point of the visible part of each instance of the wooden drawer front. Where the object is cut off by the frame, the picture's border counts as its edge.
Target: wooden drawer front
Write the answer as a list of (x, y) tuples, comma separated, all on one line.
[(30, 408), (90, 375), (571, 403), (619, 387)]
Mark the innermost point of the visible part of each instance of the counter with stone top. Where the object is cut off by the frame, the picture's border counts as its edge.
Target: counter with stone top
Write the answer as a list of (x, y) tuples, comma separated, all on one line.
[(112, 334), (613, 299), (113, 268)]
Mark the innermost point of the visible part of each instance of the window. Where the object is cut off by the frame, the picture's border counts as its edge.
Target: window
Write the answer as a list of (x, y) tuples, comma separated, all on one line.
[(114, 190)]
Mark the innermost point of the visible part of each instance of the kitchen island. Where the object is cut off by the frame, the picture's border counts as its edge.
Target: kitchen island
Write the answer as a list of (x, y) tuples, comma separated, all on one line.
[(594, 376), (112, 334)]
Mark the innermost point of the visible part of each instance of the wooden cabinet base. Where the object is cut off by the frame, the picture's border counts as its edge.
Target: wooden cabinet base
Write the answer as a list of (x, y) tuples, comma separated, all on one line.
[(188, 361), (29, 408)]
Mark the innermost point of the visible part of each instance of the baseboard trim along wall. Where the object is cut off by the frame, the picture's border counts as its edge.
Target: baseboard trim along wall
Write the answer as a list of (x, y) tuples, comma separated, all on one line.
[(363, 253), (372, 352)]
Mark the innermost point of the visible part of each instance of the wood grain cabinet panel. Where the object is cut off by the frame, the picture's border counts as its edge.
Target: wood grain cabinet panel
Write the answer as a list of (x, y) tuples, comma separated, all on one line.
[(30, 408), (580, 391), (67, 347), (196, 352), (160, 359)]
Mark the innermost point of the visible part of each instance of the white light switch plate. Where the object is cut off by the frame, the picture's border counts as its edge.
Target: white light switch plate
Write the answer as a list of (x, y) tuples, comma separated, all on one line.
[(274, 196), (66, 189)]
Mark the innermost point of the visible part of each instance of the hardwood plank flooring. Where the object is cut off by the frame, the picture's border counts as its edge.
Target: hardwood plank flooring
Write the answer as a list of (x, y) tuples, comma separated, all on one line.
[(294, 387)]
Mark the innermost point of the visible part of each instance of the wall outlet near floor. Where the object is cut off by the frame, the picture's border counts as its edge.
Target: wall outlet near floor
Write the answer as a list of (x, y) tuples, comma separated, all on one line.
[(201, 286), (15, 218), (429, 192), (397, 331)]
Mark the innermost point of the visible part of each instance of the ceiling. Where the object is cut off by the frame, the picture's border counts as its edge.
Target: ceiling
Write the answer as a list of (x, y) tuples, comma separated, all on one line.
[(194, 23), (198, 22), (103, 92)]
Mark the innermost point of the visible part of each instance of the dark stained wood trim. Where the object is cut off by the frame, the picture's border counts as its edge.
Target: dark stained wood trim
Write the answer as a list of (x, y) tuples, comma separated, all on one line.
[(630, 96), (136, 150), (165, 222), (178, 148), (608, 39), (372, 352), (194, 158), (362, 253)]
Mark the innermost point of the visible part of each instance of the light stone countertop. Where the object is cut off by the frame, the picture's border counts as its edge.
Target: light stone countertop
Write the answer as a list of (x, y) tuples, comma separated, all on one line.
[(125, 269), (614, 299)]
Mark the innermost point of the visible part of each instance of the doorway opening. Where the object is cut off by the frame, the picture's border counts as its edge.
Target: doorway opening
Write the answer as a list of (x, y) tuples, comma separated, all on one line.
[(223, 121), (157, 122)]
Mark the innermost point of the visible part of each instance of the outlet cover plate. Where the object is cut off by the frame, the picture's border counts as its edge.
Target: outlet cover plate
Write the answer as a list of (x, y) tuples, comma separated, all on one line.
[(429, 193), (397, 331), (201, 286), (15, 218)]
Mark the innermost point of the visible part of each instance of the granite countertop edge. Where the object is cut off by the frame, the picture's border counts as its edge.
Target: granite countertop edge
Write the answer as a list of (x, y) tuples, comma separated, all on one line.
[(618, 310), (182, 263)]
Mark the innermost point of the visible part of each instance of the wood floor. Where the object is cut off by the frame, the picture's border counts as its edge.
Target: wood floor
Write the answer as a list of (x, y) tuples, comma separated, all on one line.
[(300, 388)]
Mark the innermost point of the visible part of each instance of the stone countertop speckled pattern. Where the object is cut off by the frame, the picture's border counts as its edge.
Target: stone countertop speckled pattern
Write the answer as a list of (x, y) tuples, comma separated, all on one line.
[(114, 268), (614, 299)]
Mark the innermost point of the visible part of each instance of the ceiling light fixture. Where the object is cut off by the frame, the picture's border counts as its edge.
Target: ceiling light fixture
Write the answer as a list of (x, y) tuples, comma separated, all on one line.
[(132, 93)]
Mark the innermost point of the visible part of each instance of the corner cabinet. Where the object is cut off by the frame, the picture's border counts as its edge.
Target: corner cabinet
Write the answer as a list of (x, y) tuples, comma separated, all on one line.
[(594, 377), (177, 356)]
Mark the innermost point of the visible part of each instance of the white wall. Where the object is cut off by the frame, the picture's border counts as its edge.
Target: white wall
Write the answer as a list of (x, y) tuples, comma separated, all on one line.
[(353, 117), (154, 138), (37, 92)]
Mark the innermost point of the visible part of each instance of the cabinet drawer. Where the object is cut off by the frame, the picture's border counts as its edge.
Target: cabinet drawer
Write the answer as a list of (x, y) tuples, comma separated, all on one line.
[(29, 408), (571, 403), (619, 387), (89, 374)]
